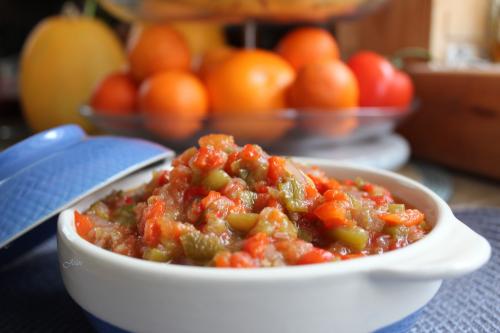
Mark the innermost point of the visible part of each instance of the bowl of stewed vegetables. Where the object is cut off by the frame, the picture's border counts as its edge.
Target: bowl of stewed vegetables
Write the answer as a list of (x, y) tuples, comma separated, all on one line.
[(228, 238)]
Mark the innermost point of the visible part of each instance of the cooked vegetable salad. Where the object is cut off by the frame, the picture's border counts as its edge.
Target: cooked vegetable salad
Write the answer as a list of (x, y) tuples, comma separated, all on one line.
[(228, 206)]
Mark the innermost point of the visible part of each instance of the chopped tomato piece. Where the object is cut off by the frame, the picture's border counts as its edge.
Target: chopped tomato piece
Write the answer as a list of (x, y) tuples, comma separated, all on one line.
[(170, 229), (333, 184), (152, 232), (321, 181), (311, 192), (261, 187), (193, 192), (352, 256), (380, 200), (241, 260), (211, 197), (83, 224), (408, 218), (332, 214), (349, 182), (162, 178), (250, 153), (230, 159), (223, 259), (276, 169), (334, 195), (272, 202), (208, 158), (293, 250), (155, 210), (218, 141), (185, 157), (256, 245), (316, 256), (367, 187)]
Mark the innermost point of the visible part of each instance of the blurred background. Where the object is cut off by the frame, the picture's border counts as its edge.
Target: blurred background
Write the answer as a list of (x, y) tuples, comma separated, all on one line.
[(407, 85)]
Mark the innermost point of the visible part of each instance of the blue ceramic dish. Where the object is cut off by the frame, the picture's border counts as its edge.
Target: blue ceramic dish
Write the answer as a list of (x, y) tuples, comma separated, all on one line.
[(50, 171)]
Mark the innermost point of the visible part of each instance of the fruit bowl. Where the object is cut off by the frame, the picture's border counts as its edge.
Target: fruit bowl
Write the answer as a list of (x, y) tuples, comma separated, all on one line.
[(278, 131), (238, 10)]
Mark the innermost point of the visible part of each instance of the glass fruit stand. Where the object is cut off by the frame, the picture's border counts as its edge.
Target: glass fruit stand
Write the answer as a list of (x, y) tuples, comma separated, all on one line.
[(278, 130)]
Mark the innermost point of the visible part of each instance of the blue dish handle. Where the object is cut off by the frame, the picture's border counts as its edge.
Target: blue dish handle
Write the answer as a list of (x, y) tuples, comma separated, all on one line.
[(36, 147)]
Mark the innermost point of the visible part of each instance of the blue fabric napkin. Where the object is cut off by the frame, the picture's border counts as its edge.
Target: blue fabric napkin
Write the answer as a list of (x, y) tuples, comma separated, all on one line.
[(33, 298), (470, 303)]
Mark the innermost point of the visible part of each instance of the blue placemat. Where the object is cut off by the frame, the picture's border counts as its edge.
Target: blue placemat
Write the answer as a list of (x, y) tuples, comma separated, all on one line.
[(33, 298)]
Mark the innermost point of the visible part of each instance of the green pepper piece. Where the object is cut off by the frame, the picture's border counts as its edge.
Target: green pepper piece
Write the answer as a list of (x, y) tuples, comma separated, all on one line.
[(305, 234), (354, 237), (396, 231), (197, 176), (292, 193), (216, 179), (125, 215), (275, 223), (257, 172), (243, 173), (200, 247), (242, 222), (100, 209), (155, 254), (172, 248), (359, 182), (396, 208)]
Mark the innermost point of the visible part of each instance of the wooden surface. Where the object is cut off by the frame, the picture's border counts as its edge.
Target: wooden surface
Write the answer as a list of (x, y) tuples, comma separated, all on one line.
[(458, 23), (458, 123), (439, 26), (398, 24)]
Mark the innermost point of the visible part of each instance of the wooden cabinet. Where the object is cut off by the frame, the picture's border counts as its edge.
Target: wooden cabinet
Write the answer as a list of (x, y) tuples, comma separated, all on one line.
[(458, 122), (441, 26)]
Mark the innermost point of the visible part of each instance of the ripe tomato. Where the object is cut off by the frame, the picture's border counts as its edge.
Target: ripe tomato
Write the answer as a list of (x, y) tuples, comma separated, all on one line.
[(115, 94), (400, 92), (374, 74)]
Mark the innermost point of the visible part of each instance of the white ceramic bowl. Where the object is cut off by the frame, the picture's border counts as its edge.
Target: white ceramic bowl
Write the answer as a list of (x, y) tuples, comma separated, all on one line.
[(361, 295)]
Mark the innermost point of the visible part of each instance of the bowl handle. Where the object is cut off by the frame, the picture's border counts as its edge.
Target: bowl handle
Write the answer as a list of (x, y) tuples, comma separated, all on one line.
[(466, 251)]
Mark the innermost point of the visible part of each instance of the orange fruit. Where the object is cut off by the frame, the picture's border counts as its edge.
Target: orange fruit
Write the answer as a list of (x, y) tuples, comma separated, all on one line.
[(157, 48), (62, 60), (115, 94), (306, 45), (213, 58), (174, 104), (246, 90), (326, 87), (201, 36), (249, 81)]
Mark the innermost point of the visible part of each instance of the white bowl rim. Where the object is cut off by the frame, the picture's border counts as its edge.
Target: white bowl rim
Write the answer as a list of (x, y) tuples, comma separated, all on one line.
[(67, 233)]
